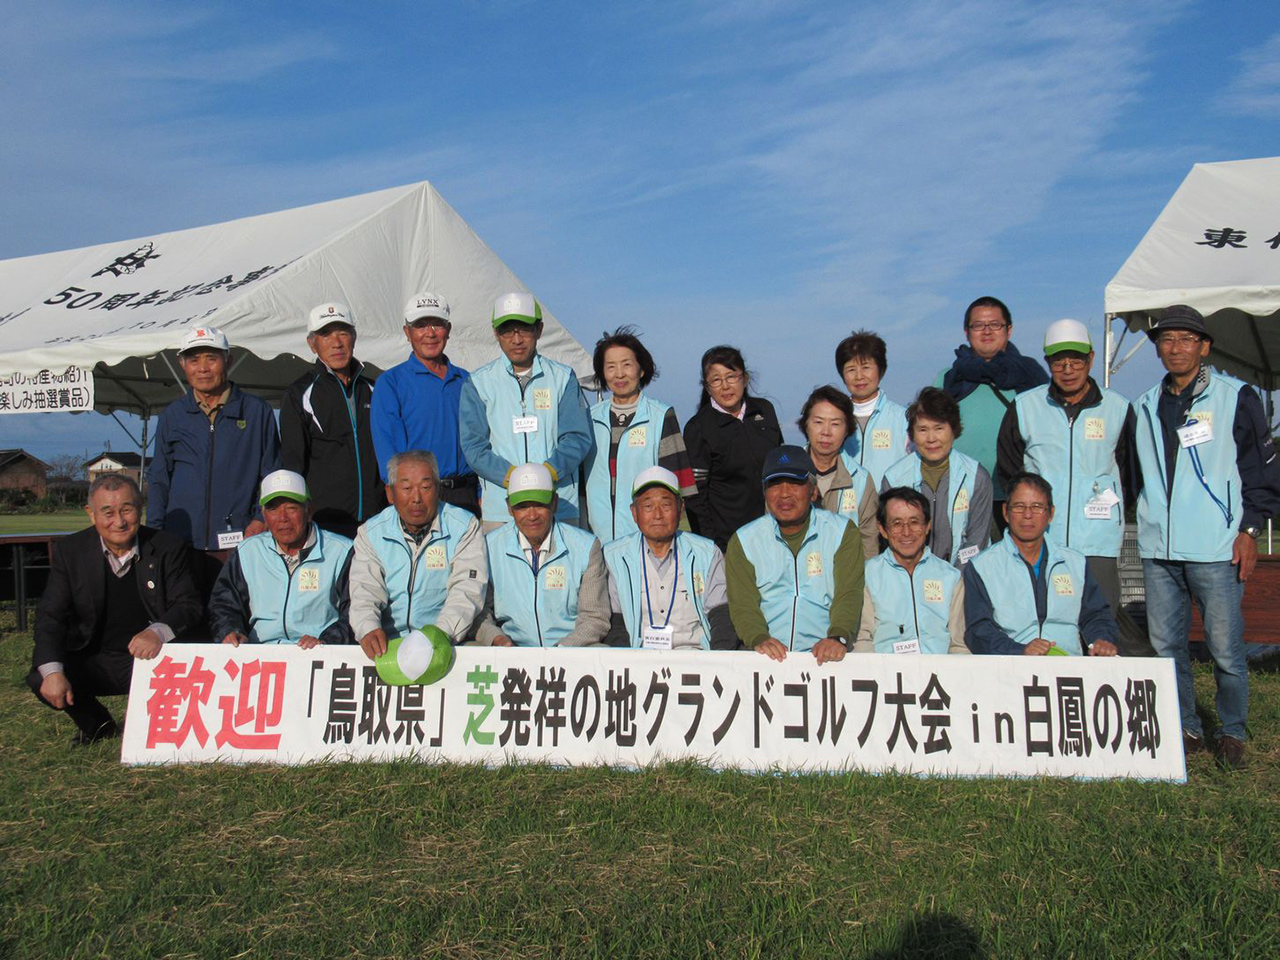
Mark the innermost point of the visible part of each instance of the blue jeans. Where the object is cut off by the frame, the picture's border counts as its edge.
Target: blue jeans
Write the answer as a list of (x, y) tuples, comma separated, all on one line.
[(1219, 593)]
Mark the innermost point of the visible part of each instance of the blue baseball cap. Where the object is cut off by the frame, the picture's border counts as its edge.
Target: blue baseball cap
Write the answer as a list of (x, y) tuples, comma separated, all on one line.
[(787, 462)]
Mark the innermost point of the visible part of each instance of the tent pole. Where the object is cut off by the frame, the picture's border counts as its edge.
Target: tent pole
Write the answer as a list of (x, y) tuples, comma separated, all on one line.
[(142, 468), (1108, 349)]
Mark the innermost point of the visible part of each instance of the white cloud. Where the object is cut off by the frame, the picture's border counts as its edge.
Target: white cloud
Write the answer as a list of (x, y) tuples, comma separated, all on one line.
[(1256, 90)]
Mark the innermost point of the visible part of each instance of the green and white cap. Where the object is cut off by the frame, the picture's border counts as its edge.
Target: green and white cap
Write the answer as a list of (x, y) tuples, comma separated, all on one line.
[(516, 306), (422, 656), (655, 477), (286, 484), (1064, 335), (530, 483)]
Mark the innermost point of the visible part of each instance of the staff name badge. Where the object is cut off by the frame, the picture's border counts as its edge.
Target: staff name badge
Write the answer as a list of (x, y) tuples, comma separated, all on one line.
[(1095, 428), (555, 578), (435, 557), (965, 555), (638, 437), (309, 580), (1194, 434), (906, 646), (933, 591), (656, 638), (1062, 585), (542, 399), (881, 439), (813, 564), (962, 501), (230, 539), (1100, 507), (524, 424)]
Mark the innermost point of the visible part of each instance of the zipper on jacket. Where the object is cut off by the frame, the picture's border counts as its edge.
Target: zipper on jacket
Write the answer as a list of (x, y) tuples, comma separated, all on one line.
[(413, 575), (288, 587), (208, 485), (795, 601), (1071, 471), (915, 616)]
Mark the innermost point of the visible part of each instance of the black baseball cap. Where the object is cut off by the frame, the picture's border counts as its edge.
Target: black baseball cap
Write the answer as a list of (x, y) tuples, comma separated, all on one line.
[(1180, 317), (787, 462)]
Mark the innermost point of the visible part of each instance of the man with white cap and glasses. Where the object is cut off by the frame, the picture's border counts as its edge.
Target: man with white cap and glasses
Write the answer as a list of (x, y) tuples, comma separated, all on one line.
[(213, 445), (1079, 437), (324, 425), (415, 404), (795, 575), (1210, 480), (523, 408), (288, 585), (548, 583), (666, 585), (419, 562)]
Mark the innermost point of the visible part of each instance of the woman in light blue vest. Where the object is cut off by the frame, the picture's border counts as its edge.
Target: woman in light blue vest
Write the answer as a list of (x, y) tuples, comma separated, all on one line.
[(630, 433), (957, 487), (844, 487), (879, 437)]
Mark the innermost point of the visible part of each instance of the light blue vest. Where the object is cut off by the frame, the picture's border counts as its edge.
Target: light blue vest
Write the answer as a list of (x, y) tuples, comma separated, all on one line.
[(851, 497), (1013, 598), (503, 399), (537, 610), (416, 585), (962, 476), (911, 606), (284, 607), (637, 451), (625, 561), (1200, 521), (884, 440), (1079, 461), (795, 592)]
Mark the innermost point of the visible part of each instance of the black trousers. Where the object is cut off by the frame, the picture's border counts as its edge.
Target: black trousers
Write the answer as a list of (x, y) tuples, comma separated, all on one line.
[(105, 673), (462, 492)]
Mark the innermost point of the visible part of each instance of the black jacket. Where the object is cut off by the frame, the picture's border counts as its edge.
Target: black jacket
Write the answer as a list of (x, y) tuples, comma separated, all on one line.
[(319, 441), (71, 607), (727, 455)]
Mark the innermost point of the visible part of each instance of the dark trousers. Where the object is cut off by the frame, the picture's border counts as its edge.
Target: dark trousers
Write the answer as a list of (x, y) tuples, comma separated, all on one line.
[(462, 492), (102, 674), (1133, 639)]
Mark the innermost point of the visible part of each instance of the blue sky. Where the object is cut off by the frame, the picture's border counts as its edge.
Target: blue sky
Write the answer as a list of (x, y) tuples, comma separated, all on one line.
[(769, 174)]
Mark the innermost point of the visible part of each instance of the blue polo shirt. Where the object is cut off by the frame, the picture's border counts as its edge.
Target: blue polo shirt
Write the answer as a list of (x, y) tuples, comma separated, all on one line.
[(413, 409)]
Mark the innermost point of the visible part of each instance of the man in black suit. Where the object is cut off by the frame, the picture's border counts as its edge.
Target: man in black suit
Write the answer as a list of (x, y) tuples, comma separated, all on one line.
[(116, 591)]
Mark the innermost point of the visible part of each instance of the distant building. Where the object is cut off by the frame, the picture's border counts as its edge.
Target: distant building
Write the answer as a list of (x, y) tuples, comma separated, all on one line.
[(19, 470), (115, 461)]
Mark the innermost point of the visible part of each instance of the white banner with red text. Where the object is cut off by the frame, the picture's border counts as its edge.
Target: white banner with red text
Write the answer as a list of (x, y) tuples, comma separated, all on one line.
[(946, 715)]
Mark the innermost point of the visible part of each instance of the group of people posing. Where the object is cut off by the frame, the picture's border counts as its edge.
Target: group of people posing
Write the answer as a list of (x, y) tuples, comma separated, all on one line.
[(501, 507)]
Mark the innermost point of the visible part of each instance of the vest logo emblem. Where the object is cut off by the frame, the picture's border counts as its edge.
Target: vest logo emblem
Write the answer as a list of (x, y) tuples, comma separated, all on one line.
[(242, 424), (848, 501), (638, 436), (881, 439), (555, 578), (435, 557), (1062, 585), (813, 564), (308, 580), (962, 501), (1095, 428), (933, 591), (698, 584), (542, 399), (1203, 416)]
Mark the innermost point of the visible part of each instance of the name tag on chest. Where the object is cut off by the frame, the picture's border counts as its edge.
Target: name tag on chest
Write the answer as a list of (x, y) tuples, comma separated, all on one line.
[(906, 646), (308, 580), (230, 539), (1194, 434), (656, 638), (524, 424)]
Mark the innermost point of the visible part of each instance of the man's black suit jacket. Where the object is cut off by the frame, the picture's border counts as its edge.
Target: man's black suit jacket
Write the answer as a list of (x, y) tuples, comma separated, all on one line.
[(71, 608)]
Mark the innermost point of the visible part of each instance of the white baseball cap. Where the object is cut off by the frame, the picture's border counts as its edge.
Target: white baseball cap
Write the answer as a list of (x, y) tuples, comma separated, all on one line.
[(426, 304), (516, 306), (208, 337), (1067, 335), (327, 313), (655, 477), (284, 483), (530, 483)]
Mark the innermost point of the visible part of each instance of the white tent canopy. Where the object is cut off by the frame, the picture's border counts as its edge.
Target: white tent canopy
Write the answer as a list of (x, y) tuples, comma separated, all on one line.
[(1215, 247), (120, 309)]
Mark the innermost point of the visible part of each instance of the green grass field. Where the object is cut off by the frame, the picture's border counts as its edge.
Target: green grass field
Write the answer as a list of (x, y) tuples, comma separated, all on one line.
[(410, 860), (62, 521)]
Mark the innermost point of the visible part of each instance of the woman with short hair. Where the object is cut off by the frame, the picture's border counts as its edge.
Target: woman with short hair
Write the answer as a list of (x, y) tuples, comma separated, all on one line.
[(844, 487)]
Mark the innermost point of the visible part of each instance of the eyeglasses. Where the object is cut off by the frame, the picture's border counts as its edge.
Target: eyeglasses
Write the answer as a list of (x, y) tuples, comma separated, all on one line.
[(991, 327), (1035, 509), (897, 526), (1068, 363), (728, 380), (1172, 340), (510, 333)]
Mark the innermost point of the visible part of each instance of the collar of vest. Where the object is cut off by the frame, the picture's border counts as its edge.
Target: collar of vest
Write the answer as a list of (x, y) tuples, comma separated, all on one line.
[(892, 560), (535, 369), (556, 547), (810, 533), (644, 411)]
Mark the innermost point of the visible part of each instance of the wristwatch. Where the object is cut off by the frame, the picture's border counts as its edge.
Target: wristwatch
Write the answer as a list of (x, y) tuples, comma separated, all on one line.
[(1252, 531)]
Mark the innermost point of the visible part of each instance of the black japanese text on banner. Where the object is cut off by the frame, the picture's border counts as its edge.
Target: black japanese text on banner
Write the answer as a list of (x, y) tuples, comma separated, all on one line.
[(47, 391), (967, 716)]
